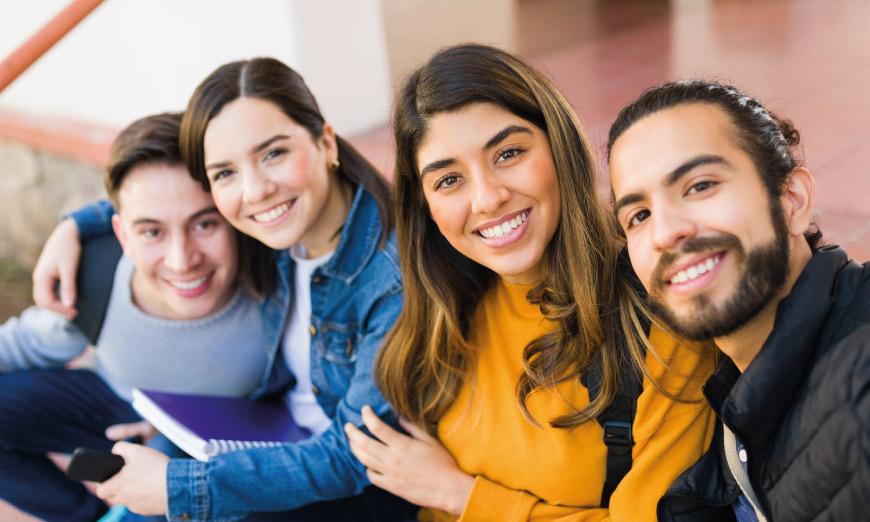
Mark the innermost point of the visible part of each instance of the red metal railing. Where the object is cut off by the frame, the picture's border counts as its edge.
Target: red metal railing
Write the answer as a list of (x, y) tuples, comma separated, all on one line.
[(30, 51)]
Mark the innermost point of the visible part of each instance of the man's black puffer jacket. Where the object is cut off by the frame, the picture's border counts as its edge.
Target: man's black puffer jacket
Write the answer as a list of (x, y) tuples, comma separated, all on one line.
[(801, 409)]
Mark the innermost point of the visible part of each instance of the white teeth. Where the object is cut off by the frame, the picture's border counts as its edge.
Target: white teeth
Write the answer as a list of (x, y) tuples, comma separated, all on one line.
[(272, 215), (499, 231), (188, 285), (694, 271)]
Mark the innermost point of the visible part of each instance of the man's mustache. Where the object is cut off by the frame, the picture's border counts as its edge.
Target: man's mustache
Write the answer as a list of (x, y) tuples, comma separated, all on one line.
[(721, 241)]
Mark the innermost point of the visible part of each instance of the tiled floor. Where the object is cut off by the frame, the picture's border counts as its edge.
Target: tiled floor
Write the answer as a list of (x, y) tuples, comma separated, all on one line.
[(807, 59)]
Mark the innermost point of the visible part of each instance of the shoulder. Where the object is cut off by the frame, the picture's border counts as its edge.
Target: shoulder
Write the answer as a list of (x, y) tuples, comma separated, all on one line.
[(855, 280), (681, 366), (382, 273), (846, 365)]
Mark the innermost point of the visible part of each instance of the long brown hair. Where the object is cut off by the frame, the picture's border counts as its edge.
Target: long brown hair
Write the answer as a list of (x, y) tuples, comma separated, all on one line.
[(273, 81), (426, 357)]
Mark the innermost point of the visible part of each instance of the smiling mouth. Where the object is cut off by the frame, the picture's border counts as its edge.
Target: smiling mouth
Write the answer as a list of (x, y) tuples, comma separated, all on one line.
[(189, 285), (273, 213), (504, 229), (696, 271)]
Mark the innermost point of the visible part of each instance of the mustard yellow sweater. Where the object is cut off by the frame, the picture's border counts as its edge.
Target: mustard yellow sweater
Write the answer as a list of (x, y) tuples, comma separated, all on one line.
[(528, 472)]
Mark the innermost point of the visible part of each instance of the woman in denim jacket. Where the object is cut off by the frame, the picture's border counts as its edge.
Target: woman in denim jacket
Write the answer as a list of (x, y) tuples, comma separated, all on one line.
[(254, 135)]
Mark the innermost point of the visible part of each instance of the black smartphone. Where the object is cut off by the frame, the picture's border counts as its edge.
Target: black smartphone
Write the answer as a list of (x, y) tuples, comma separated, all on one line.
[(93, 465)]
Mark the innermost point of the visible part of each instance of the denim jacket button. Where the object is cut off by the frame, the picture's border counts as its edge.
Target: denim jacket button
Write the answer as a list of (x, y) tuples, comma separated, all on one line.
[(313, 330), (315, 390), (317, 279), (185, 517)]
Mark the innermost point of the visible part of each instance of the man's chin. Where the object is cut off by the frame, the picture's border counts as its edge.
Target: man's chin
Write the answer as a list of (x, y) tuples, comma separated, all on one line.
[(700, 322)]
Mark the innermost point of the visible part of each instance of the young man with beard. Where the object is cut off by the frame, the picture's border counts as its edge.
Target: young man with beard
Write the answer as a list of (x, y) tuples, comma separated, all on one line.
[(178, 318), (717, 218)]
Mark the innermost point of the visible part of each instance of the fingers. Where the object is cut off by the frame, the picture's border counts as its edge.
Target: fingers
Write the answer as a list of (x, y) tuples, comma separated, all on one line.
[(130, 430), (54, 277), (367, 450), (67, 276), (122, 448), (415, 431), (382, 430), (45, 288)]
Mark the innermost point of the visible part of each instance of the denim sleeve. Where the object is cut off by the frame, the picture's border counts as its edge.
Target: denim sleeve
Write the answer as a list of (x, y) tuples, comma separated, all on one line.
[(93, 220), (38, 339), (233, 485)]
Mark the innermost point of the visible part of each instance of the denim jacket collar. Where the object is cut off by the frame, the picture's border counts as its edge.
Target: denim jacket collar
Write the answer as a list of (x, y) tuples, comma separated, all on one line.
[(359, 239)]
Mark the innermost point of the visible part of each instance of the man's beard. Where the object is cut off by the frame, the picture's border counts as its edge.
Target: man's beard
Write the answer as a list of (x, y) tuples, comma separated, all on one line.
[(763, 273)]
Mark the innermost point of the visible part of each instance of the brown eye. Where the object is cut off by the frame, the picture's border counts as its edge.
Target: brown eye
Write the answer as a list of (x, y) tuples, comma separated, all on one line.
[(509, 153), (221, 175), (446, 182), (274, 153), (699, 187), (638, 218)]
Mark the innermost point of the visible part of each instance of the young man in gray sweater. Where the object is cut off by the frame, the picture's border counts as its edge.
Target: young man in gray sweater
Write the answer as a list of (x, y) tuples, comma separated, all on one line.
[(181, 316)]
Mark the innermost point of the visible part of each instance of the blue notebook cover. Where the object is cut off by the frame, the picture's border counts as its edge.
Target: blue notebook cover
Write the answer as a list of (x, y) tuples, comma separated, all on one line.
[(204, 425)]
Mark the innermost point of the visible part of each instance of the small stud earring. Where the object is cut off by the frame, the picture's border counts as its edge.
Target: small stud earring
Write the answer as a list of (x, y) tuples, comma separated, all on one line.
[(334, 165)]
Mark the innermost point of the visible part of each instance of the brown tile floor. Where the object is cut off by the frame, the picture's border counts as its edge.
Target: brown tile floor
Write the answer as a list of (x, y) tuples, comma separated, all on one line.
[(806, 59)]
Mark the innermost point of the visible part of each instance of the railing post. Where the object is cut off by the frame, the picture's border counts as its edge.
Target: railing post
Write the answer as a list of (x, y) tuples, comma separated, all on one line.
[(30, 51)]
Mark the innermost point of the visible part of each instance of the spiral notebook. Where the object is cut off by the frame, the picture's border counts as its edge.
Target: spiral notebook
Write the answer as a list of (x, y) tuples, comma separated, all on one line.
[(204, 426)]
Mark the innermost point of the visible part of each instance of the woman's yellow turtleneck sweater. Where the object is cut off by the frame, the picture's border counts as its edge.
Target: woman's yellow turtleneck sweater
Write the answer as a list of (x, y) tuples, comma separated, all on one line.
[(528, 472)]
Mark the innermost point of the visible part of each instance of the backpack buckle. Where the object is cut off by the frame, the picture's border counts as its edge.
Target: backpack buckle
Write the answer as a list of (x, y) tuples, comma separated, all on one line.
[(617, 436)]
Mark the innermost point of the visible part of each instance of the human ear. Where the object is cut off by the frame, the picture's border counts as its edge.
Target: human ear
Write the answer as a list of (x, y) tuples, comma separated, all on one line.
[(328, 142), (119, 232), (799, 200)]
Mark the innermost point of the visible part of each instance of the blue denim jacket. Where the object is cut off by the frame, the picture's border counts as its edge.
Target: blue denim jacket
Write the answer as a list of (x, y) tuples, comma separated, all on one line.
[(355, 299)]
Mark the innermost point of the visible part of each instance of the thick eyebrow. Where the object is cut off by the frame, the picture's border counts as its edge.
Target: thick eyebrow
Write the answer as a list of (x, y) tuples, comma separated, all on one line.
[(688, 166), (673, 177), (255, 149), (204, 212), (495, 140), (504, 133), (193, 217), (436, 165), (146, 221)]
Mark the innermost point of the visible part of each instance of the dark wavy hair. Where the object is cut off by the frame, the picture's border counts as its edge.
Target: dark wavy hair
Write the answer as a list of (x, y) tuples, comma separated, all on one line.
[(768, 139)]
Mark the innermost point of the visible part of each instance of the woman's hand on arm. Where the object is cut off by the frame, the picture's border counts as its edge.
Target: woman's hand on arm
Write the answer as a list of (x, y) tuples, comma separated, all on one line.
[(141, 483), (416, 467), (58, 263)]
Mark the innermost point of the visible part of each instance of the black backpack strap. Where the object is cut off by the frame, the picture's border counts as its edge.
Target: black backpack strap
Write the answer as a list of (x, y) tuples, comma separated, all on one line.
[(97, 266), (618, 418)]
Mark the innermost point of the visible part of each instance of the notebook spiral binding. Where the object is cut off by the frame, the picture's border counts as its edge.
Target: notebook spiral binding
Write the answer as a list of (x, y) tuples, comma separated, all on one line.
[(217, 446)]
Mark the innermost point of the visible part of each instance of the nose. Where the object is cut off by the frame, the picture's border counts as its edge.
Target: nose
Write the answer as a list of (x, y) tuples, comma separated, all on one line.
[(256, 186), (182, 255), (488, 193), (671, 227)]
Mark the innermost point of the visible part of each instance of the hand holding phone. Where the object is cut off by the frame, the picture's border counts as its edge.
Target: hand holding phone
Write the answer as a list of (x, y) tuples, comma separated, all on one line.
[(93, 465)]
